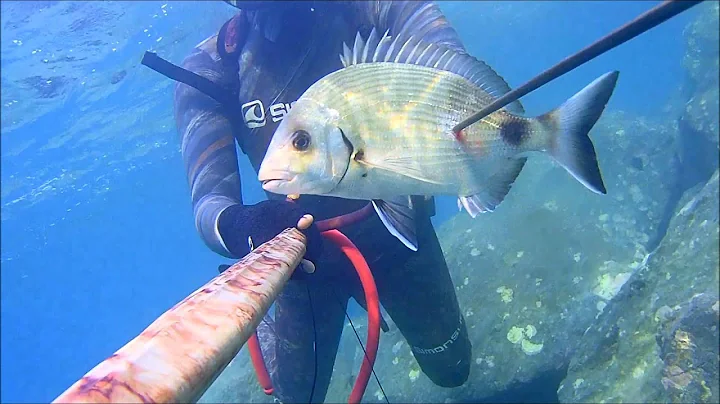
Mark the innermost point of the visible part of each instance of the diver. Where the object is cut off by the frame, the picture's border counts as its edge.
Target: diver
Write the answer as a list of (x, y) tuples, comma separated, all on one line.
[(264, 58)]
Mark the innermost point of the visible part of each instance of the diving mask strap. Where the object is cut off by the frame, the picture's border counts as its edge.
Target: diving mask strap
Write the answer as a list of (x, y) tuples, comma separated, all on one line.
[(177, 73), (226, 98)]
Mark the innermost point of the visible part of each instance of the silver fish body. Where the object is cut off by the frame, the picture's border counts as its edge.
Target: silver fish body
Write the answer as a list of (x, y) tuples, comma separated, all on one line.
[(399, 118), (381, 129)]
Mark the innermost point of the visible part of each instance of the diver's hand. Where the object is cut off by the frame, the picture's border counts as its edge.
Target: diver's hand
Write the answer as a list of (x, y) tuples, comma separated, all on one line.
[(259, 223)]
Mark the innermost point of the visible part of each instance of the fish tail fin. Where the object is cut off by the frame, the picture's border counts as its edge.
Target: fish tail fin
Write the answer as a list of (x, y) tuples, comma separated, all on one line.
[(570, 144)]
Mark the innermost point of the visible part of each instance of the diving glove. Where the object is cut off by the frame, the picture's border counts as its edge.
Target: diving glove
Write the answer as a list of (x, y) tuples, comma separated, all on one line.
[(244, 227)]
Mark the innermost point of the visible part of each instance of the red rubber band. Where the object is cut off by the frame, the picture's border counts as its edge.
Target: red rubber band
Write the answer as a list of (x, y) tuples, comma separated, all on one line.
[(373, 309), (371, 297), (259, 364)]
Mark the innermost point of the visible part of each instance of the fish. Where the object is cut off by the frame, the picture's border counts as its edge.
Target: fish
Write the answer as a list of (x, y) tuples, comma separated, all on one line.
[(381, 129)]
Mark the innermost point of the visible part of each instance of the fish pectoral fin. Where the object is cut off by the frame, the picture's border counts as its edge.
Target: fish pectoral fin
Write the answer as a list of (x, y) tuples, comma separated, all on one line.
[(401, 166), (494, 189), (398, 216)]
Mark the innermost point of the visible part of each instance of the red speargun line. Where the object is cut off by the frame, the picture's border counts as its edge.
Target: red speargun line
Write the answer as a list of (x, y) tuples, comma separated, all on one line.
[(329, 230)]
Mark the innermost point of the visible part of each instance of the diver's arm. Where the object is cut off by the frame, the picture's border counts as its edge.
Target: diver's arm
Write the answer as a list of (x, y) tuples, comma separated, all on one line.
[(207, 146), (421, 19)]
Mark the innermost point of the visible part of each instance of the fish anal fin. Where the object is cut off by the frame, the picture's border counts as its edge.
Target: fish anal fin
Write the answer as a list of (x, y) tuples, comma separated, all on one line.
[(494, 189), (398, 216)]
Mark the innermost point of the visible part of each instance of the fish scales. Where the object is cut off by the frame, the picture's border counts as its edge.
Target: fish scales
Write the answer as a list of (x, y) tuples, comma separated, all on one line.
[(452, 99), (409, 111)]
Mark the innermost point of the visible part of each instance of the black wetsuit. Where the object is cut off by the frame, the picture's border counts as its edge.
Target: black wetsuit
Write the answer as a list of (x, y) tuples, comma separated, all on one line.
[(280, 54)]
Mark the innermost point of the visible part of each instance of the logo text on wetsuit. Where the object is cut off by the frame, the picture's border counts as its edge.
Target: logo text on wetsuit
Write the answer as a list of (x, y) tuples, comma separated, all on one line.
[(444, 346), (253, 113)]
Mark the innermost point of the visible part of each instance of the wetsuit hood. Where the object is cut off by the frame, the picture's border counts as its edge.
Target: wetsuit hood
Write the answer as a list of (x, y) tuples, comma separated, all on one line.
[(283, 21), (255, 5)]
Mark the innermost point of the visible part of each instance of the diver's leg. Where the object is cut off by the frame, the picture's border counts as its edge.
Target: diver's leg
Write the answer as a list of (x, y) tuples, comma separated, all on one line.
[(416, 290), (287, 342)]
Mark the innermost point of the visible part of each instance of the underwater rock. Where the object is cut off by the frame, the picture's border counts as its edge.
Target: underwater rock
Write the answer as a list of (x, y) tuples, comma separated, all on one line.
[(696, 112), (656, 341), (638, 160), (236, 384), (689, 349), (702, 61)]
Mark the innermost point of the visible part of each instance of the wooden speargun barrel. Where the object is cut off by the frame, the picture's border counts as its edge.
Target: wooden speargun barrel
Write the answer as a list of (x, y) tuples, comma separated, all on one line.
[(180, 354)]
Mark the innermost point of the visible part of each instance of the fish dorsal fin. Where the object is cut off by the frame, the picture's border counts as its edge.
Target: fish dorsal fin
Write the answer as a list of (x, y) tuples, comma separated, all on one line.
[(411, 50)]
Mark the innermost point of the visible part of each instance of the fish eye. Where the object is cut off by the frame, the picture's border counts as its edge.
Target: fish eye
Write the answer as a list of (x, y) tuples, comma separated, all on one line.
[(301, 140)]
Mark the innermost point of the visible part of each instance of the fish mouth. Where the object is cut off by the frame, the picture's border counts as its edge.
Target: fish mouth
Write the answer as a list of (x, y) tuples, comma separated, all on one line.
[(273, 181)]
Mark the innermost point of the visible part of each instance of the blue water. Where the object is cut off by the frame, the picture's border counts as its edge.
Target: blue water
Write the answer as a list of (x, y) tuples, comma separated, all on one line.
[(97, 230)]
